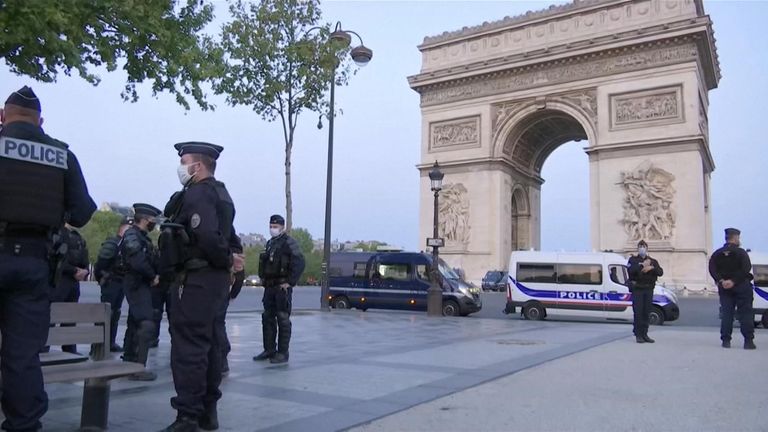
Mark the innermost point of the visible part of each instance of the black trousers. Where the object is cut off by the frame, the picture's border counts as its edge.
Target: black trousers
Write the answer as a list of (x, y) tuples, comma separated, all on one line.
[(112, 293), (220, 327), (67, 290), (642, 302), (141, 323), (161, 295), (276, 318), (737, 300), (195, 346), (25, 314)]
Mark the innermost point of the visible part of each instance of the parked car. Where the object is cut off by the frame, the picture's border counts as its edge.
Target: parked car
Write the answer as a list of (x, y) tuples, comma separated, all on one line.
[(494, 280), (253, 280)]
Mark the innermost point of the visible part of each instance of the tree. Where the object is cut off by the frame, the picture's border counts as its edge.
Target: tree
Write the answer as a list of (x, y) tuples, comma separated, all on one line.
[(153, 40), (304, 238), (101, 226), (278, 67)]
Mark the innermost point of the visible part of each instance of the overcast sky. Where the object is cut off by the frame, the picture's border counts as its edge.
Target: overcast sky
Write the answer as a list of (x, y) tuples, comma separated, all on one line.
[(127, 155)]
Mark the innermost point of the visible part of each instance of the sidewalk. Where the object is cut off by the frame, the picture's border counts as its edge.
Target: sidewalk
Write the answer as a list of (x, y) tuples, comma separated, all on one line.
[(352, 368)]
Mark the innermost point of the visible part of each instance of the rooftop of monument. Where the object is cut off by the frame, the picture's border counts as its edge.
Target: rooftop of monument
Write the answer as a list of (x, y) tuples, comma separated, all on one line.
[(511, 21)]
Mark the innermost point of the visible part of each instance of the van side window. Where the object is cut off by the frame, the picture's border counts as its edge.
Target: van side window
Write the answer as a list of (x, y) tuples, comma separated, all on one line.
[(358, 271), (761, 275), (541, 273), (422, 272), (618, 274), (580, 274), (397, 272)]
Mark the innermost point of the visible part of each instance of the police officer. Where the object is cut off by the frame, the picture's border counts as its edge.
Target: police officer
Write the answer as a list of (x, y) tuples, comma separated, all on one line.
[(71, 270), (280, 267), (731, 268), (109, 271), (41, 183), (643, 273), (200, 220), (141, 262)]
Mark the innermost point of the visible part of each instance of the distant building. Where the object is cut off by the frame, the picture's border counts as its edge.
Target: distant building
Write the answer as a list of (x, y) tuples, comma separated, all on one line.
[(125, 211), (252, 240)]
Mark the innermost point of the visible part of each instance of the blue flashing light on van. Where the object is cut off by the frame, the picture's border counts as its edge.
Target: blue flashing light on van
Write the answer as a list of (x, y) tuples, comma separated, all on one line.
[(397, 281)]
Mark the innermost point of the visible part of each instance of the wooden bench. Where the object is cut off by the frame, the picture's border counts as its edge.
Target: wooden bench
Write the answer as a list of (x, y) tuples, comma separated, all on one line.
[(93, 321)]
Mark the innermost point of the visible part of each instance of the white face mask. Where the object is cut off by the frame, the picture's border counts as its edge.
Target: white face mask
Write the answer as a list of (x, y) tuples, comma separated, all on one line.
[(642, 251), (184, 175), (274, 232)]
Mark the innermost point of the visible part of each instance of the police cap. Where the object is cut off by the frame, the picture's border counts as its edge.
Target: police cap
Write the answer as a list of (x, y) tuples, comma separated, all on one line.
[(146, 209), (732, 232), (25, 98), (276, 220), (198, 147)]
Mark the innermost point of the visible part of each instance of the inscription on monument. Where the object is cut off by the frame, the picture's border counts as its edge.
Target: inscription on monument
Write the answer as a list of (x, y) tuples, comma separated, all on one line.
[(642, 108), (459, 133)]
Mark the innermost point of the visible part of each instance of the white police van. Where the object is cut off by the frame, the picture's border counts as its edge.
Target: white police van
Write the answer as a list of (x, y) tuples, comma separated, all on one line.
[(591, 285), (760, 284)]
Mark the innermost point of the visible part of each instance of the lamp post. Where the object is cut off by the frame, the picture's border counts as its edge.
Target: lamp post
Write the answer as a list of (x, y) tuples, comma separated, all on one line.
[(361, 55), (435, 291)]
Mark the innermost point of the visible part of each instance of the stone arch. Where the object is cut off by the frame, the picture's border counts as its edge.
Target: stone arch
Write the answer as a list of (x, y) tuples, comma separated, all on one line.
[(520, 215)]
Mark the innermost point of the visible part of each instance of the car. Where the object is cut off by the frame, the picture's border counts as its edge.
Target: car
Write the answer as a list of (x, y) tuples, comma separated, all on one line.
[(252, 280), (494, 280)]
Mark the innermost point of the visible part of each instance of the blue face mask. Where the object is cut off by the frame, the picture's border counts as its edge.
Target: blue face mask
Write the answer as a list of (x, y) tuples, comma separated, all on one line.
[(642, 252)]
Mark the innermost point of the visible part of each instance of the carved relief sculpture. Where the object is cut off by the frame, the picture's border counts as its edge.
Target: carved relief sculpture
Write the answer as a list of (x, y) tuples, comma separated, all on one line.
[(454, 215), (455, 133), (646, 107), (648, 212)]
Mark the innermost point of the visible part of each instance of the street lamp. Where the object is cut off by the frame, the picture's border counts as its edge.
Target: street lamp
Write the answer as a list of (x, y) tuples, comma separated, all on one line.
[(435, 291), (361, 55)]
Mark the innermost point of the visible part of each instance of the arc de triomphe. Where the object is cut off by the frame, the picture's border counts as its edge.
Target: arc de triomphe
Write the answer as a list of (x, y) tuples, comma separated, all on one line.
[(630, 77)]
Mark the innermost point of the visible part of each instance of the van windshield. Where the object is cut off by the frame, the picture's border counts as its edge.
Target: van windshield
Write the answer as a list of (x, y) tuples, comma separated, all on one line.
[(447, 272)]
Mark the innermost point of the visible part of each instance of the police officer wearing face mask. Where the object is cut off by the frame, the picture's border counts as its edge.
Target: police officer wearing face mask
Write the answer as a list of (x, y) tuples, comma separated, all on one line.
[(280, 267), (198, 242), (42, 187), (731, 269), (109, 271), (141, 262), (71, 270), (643, 273)]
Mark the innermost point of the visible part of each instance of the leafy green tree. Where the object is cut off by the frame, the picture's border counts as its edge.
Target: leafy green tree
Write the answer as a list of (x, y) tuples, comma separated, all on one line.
[(159, 41), (304, 238), (101, 226), (278, 67), (252, 260)]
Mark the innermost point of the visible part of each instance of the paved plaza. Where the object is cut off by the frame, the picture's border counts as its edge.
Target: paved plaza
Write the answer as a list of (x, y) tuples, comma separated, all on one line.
[(384, 371)]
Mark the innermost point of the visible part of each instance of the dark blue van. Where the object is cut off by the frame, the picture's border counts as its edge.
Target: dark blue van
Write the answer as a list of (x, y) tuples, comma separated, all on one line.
[(397, 280)]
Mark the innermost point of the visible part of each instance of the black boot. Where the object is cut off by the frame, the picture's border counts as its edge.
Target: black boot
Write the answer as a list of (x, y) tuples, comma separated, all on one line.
[(639, 339), (726, 343), (265, 355), (209, 421), (183, 424), (279, 358), (749, 344), (647, 338)]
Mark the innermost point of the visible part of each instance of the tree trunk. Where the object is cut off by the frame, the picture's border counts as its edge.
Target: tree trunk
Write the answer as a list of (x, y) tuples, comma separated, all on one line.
[(288, 199)]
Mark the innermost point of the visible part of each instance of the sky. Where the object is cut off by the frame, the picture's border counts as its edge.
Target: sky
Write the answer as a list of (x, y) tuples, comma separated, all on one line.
[(126, 149)]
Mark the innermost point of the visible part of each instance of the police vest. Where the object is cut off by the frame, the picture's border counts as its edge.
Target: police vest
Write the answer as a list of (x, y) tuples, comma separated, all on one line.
[(274, 262), (32, 188)]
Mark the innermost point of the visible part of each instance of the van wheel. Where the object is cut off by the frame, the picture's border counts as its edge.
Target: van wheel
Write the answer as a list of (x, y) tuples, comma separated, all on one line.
[(534, 312), (656, 317), (340, 302), (765, 319), (451, 308)]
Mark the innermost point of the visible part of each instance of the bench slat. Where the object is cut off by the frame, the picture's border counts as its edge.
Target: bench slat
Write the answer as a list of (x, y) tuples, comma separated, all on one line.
[(107, 369), (80, 334), (56, 357), (79, 313)]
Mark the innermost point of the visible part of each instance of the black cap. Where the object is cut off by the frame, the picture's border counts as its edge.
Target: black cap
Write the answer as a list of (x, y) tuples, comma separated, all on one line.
[(146, 209), (25, 98), (732, 232), (642, 243), (276, 220), (199, 147)]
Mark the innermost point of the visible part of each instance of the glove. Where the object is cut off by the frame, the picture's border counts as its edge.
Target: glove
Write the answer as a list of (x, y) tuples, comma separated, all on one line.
[(237, 285)]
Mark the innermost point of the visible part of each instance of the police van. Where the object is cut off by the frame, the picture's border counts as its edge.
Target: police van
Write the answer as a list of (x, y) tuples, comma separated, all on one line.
[(593, 285), (760, 284), (396, 280)]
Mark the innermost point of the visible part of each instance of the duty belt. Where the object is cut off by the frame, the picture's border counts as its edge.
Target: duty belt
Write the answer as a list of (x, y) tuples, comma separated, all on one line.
[(36, 248)]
